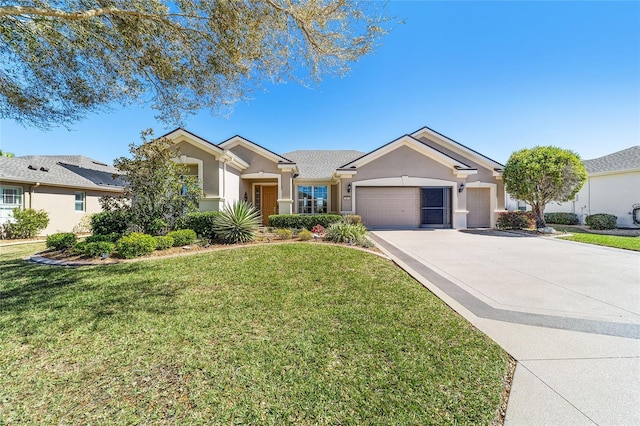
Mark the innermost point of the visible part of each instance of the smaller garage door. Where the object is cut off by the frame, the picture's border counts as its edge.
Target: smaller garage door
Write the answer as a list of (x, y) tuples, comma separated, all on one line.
[(479, 207), (388, 206)]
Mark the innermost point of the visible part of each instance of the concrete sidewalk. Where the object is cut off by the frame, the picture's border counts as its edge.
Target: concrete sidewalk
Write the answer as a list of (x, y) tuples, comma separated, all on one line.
[(569, 313)]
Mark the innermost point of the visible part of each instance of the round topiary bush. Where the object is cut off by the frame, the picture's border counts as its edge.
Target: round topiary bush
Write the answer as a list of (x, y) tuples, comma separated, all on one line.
[(135, 244), (61, 241), (601, 221)]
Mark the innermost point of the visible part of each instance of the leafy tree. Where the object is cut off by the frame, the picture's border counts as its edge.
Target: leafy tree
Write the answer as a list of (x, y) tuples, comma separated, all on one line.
[(159, 189), (63, 59), (6, 154), (543, 174)]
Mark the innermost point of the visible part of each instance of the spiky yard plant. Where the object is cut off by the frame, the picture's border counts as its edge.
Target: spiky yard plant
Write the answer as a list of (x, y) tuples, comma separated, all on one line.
[(238, 223)]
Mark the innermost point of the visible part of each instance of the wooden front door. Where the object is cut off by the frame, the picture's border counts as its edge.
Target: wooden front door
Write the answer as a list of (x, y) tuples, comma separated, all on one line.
[(268, 202)]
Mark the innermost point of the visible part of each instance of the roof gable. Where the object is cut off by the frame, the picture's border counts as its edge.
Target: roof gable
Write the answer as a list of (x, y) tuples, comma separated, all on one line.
[(239, 140), (458, 148), (218, 152), (459, 167)]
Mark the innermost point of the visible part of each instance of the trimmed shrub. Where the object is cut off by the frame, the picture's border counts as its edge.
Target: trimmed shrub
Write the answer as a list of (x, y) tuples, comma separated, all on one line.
[(562, 218), (183, 237), (110, 222), (284, 234), (61, 241), (342, 232), (601, 221), (78, 248), (26, 223), (238, 223), (164, 242), (515, 220), (305, 235), (303, 221), (353, 219), (110, 238), (135, 244), (201, 222), (98, 248)]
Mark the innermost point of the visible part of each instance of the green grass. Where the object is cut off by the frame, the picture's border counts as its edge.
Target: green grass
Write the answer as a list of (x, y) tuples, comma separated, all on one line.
[(627, 243), (279, 334)]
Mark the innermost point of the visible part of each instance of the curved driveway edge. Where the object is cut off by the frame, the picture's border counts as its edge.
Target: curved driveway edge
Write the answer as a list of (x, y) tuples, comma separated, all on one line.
[(569, 313)]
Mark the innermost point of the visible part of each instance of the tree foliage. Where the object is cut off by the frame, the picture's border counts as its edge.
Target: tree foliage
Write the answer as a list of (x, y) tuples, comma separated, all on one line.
[(160, 190), (543, 174), (63, 59)]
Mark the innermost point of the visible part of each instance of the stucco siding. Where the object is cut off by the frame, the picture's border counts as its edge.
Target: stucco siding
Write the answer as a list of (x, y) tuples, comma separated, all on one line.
[(614, 194), (59, 203), (210, 175), (257, 162), (232, 186)]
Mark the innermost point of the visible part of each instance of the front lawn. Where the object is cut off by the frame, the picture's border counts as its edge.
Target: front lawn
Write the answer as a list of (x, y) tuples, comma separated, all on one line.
[(274, 334), (627, 243)]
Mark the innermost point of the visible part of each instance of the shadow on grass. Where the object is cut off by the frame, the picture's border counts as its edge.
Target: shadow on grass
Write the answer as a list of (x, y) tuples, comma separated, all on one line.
[(79, 296)]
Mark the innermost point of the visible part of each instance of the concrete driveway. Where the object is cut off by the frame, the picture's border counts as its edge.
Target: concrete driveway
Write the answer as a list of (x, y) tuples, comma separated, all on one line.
[(569, 313)]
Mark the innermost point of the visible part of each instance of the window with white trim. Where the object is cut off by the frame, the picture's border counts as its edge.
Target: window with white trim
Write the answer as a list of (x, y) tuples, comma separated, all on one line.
[(10, 198), (80, 201), (313, 199)]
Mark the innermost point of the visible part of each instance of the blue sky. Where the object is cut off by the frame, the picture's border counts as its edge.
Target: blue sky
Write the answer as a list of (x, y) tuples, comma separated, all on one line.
[(495, 76)]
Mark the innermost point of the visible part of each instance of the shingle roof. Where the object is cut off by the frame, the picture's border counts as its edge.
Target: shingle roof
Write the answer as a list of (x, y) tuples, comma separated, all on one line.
[(320, 164), (46, 170), (627, 159), (74, 160)]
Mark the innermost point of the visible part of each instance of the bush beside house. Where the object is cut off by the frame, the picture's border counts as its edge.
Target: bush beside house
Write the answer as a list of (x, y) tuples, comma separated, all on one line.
[(601, 221)]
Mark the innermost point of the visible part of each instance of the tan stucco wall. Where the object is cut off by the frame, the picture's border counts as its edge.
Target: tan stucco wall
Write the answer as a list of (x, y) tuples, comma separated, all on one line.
[(59, 203), (210, 166), (257, 162)]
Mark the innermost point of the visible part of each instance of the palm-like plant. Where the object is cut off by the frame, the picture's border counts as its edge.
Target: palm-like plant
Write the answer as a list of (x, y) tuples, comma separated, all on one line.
[(238, 223)]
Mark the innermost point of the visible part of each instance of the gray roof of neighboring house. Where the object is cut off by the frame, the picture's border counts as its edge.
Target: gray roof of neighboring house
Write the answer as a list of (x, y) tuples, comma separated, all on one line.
[(321, 164), (50, 170), (74, 160), (627, 159)]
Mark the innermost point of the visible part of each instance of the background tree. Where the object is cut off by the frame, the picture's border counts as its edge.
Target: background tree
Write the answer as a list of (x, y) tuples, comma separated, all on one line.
[(160, 190), (6, 154), (63, 59), (543, 174)]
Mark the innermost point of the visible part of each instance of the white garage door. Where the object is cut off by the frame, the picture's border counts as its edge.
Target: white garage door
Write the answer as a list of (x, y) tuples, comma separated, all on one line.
[(388, 206), (479, 207)]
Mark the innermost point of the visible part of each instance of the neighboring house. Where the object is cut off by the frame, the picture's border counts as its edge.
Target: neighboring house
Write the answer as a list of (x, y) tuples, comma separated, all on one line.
[(423, 179), (612, 186), (65, 186)]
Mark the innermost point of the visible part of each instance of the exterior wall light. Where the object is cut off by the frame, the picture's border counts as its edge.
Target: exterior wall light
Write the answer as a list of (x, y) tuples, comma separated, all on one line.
[(349, 188), (461, 187)]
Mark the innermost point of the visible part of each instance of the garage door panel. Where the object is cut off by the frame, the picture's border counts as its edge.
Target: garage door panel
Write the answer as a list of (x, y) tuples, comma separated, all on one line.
[(388, 206), (479, 208)]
